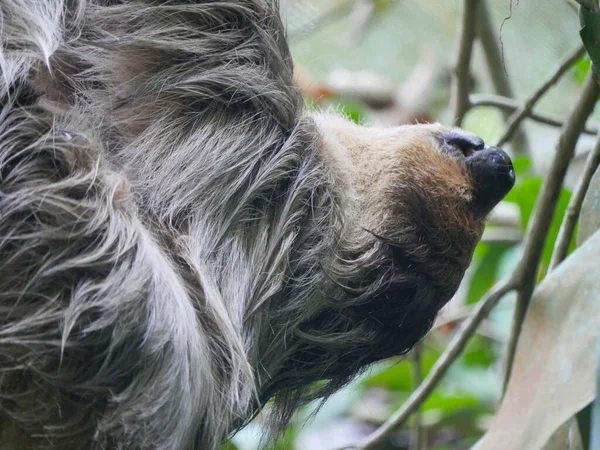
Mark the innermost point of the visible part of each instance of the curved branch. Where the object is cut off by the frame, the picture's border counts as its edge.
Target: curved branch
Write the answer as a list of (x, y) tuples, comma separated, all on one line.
[(416, 432), (459, 96), (526, 110), (497, 70), (508, 104)]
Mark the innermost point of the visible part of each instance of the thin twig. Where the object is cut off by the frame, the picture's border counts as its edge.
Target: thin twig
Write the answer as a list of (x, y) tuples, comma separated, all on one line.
[(517, 117), (567, 228), (459, 96), (509, 104), (497, 70), (589, 4), (545, 206), (416, 431), (441, 366), (484, 330)]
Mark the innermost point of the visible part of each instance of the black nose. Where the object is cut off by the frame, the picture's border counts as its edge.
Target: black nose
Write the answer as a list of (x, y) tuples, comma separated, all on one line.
[(492, 175), (459, 141)]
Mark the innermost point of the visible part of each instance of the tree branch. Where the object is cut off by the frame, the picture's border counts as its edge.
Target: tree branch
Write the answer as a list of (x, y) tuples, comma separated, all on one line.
[(493, 56), (416, 431), (441, 366), (526, 270), (508, 104), (517, 117), (459, 95), (567, 228)]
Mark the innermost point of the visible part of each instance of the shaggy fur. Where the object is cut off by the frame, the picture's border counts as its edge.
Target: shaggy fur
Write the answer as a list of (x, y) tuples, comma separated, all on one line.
[(181, 242)]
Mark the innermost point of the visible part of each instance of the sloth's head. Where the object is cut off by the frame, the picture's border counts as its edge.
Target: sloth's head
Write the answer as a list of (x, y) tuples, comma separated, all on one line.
[(412, 201), (449, 171)]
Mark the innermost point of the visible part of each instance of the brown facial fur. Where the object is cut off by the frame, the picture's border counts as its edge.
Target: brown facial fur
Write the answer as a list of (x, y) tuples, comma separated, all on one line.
[(385, 170)]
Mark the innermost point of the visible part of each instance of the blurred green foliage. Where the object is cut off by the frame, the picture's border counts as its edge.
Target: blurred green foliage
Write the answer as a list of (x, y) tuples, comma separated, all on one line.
[(487, 257), (525, 194), (581, 68)]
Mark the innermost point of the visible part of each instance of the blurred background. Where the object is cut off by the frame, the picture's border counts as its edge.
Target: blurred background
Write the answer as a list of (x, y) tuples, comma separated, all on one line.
[(388, 62)]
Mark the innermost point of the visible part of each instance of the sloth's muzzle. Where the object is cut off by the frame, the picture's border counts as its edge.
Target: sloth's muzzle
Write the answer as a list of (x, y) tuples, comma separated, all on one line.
[(490, 169)]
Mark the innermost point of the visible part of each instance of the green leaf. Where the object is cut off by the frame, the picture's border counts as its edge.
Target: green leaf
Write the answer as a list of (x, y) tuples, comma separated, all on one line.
[(479, 382), (449, 403), (525, 194), (478, 353), (581, 68), (590, 36), (397, 376), (287, 441), (521, 164), (486, 262)]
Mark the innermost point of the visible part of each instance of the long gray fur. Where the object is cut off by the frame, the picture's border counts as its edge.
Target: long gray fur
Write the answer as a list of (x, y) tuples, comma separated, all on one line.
[(171, 241)]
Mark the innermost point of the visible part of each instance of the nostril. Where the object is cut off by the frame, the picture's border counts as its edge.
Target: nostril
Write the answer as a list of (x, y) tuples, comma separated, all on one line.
[(466, 143)]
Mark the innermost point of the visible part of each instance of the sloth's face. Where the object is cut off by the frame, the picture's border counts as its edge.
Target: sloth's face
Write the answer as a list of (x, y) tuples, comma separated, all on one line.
[(415, 200), (381, 168)]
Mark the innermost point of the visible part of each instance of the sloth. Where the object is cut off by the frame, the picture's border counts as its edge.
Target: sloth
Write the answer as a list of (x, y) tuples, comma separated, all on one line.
[(183, 243)]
